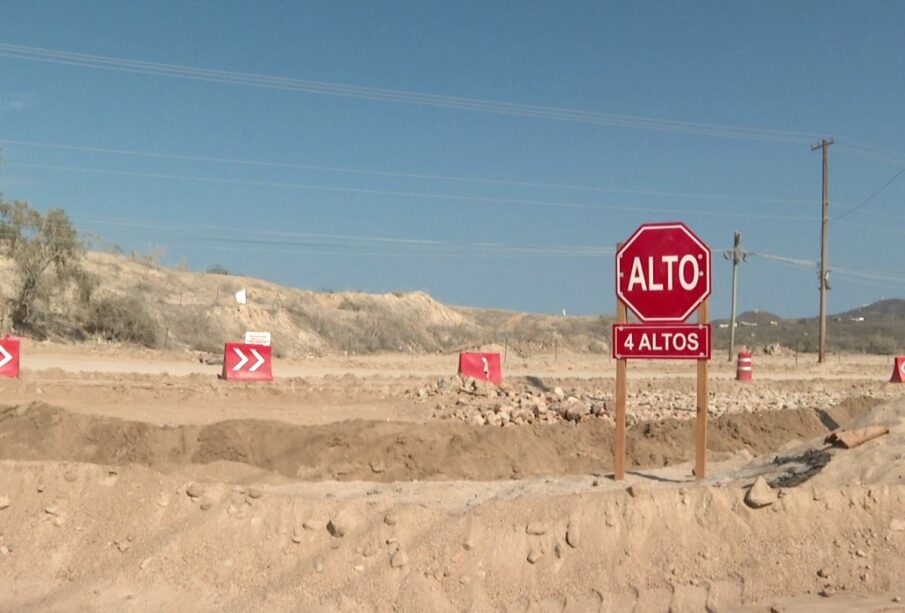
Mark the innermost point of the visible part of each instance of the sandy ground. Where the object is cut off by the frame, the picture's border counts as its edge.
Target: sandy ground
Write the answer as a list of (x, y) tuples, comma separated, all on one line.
[(136, 480)]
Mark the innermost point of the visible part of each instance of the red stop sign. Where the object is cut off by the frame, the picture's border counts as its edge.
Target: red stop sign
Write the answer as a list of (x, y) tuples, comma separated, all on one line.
[(663, 272)]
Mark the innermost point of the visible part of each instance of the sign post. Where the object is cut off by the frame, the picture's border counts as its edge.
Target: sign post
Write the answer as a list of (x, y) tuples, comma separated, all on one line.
[(621, 391), (663, 276), (703, 405)]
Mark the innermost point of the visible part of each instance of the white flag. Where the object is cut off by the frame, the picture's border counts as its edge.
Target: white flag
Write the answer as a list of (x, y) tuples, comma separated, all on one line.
[(241, 296)]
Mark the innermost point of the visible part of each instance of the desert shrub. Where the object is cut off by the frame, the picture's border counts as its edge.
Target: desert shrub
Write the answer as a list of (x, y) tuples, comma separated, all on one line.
[(46, 254), (349, 305), (122, 319), (196, 329)]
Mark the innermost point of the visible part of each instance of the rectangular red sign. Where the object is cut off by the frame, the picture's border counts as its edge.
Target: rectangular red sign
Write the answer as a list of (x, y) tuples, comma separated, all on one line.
[(244, 362), (661, 341), (9, 357), (483, 366)]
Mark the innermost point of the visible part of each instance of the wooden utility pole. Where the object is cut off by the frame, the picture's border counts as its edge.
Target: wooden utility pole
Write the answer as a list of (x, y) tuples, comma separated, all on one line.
[(824, 145), (736, 255)]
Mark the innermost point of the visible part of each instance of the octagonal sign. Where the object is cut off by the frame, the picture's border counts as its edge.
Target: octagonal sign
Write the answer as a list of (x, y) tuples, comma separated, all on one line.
[(663, 272)]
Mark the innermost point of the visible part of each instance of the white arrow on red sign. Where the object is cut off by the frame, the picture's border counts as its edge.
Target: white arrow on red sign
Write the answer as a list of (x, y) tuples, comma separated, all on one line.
[(243, 360), (7, 356)]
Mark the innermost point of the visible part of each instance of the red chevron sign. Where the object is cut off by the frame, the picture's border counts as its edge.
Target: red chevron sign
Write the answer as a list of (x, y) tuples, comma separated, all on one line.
[(243, 362), (9, 357)]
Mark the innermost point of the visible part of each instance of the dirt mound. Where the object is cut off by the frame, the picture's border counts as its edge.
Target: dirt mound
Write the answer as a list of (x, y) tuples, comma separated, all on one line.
[(85, 537), (394, 451)]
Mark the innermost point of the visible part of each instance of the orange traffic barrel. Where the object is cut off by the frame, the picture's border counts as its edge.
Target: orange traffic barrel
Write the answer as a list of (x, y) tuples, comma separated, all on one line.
[(745, 370)]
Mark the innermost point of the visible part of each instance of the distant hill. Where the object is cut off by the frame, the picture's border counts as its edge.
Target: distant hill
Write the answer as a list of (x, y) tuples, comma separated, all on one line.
[(891, 307), (757, 316), (874, 328)]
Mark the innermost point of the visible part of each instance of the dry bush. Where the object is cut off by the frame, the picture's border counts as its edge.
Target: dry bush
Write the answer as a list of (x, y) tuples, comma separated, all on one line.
[(194, 328), (121, 319)]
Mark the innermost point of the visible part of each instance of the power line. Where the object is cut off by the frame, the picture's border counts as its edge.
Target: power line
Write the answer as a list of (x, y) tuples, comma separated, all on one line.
[(251, 236), (876, 154), (398, 174), (399, 96), (409, 194), (871, 197), (337, 242)]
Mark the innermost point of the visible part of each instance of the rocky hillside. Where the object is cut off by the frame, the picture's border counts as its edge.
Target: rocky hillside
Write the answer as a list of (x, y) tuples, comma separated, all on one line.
[(174, 309)]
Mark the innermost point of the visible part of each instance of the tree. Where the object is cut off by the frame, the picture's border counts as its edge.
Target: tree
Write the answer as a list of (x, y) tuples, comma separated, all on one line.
[(45, 252)]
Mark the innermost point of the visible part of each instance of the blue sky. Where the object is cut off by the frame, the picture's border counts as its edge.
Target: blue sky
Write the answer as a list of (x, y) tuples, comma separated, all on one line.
[(516, 209)]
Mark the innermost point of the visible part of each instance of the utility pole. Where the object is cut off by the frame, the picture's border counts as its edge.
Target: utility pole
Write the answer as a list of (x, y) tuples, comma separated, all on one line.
[(824, 230), (735, 255)]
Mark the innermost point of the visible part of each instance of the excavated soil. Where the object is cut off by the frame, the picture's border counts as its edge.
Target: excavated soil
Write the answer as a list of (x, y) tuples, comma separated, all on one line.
[(358, 489), (397, 451)]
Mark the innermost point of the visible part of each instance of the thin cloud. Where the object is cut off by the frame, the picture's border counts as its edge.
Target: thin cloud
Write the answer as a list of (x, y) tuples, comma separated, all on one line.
[(14, 102)]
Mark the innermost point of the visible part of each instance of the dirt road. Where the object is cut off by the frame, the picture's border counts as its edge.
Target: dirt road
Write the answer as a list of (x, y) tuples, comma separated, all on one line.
[(131, 480)]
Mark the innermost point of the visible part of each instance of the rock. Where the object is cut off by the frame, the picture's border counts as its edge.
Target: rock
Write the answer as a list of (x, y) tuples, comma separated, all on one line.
[(399, 559), (341, 524), (377, 466), (896, 525), (897, 599), (163, 501), (575, 410), (635, 490), (319, 565), (296, 537), (254, 493), (559, 393), (359, 568), (823, 574), (535, 554), (540, 404), (51, 510), (390, 518), (4, 502), (522, 416), (760, 494), (572, 534), (70, 476), (194, 490), (369, 550), (468, 544), (536, 528), (206, 504), (123, 546), (309, 524), (143, 565)]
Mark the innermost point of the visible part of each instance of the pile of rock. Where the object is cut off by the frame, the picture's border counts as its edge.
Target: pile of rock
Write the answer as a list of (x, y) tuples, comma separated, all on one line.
[(482, 403), (526, 401)]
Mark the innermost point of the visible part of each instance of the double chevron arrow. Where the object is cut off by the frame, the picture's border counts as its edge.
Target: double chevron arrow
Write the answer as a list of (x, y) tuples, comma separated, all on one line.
[(242, 357)]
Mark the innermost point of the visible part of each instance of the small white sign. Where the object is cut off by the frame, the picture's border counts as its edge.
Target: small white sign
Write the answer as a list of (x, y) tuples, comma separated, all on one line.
[(241, 296), (257, 338)]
